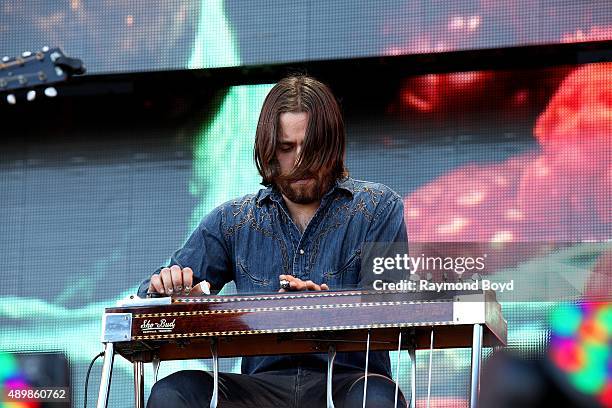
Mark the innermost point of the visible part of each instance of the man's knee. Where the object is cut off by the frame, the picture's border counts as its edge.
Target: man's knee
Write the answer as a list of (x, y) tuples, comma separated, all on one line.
[(380, 394), (163, 395), (187, 388)]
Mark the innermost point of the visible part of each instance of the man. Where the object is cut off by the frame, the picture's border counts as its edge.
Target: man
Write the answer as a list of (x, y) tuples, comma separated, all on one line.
[(308, 227)]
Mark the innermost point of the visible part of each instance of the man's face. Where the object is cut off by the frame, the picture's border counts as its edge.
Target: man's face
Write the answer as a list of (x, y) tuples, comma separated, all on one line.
[(289, 147)]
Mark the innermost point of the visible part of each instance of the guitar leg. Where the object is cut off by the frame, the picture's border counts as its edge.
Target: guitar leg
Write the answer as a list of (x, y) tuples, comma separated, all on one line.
[(476, 360), (138, 384), (107, 371)]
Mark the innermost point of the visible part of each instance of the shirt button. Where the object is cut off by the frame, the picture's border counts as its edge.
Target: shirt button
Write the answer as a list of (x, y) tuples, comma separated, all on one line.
[(301, 252)]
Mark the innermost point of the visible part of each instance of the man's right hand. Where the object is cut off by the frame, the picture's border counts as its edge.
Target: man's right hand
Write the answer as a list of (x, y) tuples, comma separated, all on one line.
[(176, 281)]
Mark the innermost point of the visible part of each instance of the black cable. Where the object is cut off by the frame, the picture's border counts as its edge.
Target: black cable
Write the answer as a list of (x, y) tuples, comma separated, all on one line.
[(87, 377)]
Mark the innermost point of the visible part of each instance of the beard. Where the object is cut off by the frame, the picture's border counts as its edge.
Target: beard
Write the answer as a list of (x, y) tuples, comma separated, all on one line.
[(304, 192)]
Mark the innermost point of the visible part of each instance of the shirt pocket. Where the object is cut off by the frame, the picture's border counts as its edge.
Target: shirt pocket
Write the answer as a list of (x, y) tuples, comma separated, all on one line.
[(347, 275), (249, 280)]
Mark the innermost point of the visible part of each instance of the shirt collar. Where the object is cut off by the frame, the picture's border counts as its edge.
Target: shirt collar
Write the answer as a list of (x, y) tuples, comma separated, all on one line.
[(346, 184)]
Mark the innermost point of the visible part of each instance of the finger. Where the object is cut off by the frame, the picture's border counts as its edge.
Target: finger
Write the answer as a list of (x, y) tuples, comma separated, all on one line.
[(156, 285), (177, 278), (297, 284), (310, 285), (324, 286), (187, 279), (196, 290), (166, 277)]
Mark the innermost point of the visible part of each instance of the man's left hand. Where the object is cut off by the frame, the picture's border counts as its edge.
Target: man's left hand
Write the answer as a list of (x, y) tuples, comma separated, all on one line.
[(296, 284)]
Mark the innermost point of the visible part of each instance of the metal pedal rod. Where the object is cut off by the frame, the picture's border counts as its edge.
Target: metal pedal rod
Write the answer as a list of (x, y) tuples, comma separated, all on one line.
[(429, 369), (397, 367), (156, 362), (365, 383), (215, 357), (331, 356), (413, 369)]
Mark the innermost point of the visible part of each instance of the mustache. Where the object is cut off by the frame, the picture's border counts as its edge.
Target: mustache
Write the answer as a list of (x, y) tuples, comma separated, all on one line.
[(296, 176)]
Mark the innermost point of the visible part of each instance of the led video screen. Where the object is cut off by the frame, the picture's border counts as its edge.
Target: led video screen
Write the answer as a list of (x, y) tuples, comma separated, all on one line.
[(118, 36), (484, 156)]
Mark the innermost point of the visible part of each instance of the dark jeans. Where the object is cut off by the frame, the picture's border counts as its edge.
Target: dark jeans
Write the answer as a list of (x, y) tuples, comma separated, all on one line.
[(291, 388)]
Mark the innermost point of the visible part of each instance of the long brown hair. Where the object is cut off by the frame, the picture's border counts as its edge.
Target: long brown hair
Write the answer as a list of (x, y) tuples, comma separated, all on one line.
[(324, 142)]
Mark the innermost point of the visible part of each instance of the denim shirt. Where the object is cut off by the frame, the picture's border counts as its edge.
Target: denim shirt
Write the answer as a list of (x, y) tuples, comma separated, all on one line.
[(252, 240)]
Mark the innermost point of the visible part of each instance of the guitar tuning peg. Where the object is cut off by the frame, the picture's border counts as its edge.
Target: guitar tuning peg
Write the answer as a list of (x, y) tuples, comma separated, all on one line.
[(26, 54), (10, 98), (31, 95), (51, 92), (45, 48)]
